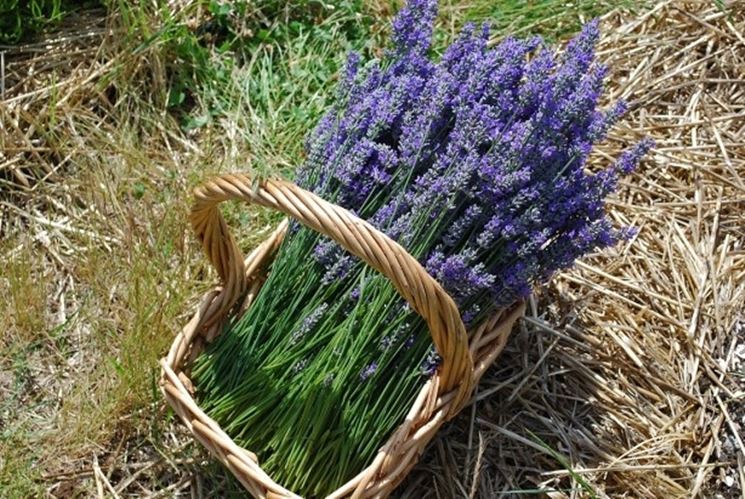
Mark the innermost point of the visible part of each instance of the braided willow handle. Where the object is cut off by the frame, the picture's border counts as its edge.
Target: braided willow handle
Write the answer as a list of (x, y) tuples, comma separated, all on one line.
[(425, 294)]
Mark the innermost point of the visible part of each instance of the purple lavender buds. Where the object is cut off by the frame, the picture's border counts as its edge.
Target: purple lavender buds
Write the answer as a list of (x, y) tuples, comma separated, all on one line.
[(475, 164)]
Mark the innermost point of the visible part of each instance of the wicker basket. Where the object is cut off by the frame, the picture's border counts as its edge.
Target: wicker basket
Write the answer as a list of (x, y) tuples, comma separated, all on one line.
[(465, 357)]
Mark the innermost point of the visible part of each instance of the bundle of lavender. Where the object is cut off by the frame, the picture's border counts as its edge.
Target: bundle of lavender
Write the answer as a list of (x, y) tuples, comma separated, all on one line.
[(473, 163)]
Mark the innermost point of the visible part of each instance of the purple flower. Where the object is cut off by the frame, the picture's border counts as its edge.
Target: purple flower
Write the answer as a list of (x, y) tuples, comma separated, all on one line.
[(462, 225), (338, 270), (409, 341), (460, 274), (430, 363), (630, 158), (368, 370), (298, 366), (471, 314), (308, 323)]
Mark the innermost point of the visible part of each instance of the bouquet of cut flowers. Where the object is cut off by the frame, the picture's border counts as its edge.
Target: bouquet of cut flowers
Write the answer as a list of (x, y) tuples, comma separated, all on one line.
[(475, 165)]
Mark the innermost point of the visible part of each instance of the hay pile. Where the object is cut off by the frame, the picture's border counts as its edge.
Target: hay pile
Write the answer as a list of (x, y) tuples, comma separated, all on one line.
[(627, 377), (40, 86), (62, 95)]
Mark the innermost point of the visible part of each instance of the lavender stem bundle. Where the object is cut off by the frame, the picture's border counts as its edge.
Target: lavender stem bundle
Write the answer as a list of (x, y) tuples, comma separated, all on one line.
[(474, 164)]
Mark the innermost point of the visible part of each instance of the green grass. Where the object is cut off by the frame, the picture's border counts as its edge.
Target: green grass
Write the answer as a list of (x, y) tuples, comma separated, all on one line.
[(587, 489), (20, 20), (262, 102), (239, 94), (552, 19)]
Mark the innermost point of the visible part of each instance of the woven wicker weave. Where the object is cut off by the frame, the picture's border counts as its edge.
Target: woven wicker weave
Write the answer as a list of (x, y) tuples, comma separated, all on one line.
[(464, 357)]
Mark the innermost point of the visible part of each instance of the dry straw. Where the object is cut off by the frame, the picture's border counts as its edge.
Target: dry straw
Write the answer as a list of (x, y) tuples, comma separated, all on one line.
[(41, 83)]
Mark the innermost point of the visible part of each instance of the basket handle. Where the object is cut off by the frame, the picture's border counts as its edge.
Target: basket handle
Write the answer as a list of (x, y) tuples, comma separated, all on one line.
[(422, 291)]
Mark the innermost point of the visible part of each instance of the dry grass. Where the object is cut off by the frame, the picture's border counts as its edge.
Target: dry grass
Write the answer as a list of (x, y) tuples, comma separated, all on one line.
[(625, 380), (91, 212), (39, 82)]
